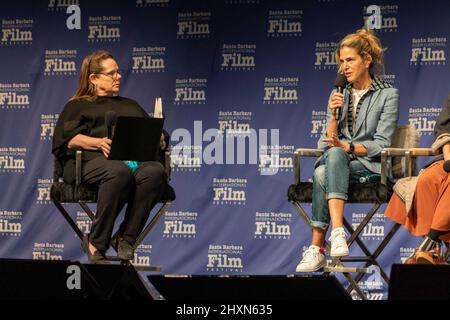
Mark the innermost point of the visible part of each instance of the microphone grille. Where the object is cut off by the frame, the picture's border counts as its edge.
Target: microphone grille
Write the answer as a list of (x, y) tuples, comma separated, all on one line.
[(341, 80)]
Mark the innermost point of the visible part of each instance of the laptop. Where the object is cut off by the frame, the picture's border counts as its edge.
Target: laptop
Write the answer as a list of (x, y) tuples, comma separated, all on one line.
[(136, 139)]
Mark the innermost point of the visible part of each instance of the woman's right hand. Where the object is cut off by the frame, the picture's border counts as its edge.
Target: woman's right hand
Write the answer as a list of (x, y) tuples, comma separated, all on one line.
[(104, 144), (336, 101)]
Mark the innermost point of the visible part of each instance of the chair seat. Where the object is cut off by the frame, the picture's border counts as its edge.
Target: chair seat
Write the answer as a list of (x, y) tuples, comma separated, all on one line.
[(357, 193), (65, 193)]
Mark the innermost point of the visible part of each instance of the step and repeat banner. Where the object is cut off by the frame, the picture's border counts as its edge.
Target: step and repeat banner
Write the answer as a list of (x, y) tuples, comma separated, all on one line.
[(243, 83)]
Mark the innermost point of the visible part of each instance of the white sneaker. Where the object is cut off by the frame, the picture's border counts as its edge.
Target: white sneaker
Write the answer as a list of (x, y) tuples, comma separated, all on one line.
[(339, 246), (312, 260)]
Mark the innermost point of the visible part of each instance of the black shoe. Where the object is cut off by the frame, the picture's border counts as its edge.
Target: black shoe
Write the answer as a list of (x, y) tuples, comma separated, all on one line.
[(125, 250), (97, 257)]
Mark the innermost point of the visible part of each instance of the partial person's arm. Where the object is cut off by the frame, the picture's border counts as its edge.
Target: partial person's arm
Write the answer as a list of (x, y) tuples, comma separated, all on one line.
[(446, 152), (90, 143)]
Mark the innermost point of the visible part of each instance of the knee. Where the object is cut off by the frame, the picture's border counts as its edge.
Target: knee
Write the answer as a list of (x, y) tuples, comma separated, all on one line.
[(426, 180), (121, 175), (154, 172), (336, 156)]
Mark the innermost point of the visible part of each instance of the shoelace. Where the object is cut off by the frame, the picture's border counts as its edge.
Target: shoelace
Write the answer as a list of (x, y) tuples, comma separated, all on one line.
[(310, 254), (338, 239)]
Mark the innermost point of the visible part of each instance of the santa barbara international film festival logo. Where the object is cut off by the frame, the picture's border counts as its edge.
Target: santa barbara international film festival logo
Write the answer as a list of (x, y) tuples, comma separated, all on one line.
[(17, 32), (325, 56), (234, 122), (318, 123), (281, 90), (83, 221), (225, 258), (148, 59), (284, 23), (382, 18), (47, 251), (43, 191), (104, 29), (373, 286), (276, 158), (405, 253), (12, 159), (48, 123), (60, 62), (15, 95), (10, 223), (193, 25), (374, 230), (273, 225), (180, 224), (61, 5), (238, 57), (152, 3), (190, 91), (186, 158), (229, 191), (424, 119), (428, 51)]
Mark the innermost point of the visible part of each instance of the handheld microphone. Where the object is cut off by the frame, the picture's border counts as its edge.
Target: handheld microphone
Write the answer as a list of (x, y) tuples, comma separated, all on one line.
[(110, 121), (340, 83)]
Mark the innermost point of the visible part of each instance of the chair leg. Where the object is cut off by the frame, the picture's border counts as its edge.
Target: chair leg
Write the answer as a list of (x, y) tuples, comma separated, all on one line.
[(378, 251), (363, 223), (151, 224), (86, 209), (143, 235), (371, 257), (353, 285), (69, 219), (302, 213)]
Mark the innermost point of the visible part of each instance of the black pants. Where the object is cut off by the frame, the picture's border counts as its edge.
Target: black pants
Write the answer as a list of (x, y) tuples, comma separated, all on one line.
[(118, 185)]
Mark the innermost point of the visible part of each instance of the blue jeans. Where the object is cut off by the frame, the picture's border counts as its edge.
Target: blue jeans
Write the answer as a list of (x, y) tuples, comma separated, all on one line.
[(331, 179)]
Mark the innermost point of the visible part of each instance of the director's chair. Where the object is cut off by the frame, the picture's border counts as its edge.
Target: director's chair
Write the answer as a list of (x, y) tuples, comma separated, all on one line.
[(375, 193), (83, 193)]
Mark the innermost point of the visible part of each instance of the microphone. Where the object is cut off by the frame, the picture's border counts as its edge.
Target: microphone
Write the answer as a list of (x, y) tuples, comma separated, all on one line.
[(110, 121), (340, 83), (447, 166)]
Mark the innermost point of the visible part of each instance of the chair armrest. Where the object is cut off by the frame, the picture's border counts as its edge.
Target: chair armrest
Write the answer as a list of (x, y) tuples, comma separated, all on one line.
[(395, 151), (78, 163), (298, 153), (389, 153), (308, 152), (167, 163), (416, 152)]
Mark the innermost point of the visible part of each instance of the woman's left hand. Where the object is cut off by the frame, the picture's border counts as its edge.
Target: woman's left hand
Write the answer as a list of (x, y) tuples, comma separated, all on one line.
[(335, 142), (162, 142)]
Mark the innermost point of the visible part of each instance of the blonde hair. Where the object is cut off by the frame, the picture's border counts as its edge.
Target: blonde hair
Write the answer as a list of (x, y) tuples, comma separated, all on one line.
[(91, 64), (367, 44)]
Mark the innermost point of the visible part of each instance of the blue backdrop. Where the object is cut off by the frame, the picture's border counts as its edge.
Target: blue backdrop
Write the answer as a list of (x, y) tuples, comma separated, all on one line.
[(251, 68)]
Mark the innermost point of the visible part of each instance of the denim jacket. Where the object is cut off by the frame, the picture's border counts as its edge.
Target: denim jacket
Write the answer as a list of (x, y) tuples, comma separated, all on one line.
[(375, 123)]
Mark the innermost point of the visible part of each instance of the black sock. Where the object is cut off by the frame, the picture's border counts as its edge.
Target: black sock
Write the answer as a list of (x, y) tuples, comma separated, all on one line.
[(435, 234)]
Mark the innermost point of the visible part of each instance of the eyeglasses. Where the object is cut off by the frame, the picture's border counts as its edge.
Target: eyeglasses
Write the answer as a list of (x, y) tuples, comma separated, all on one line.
[(114, 75)]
